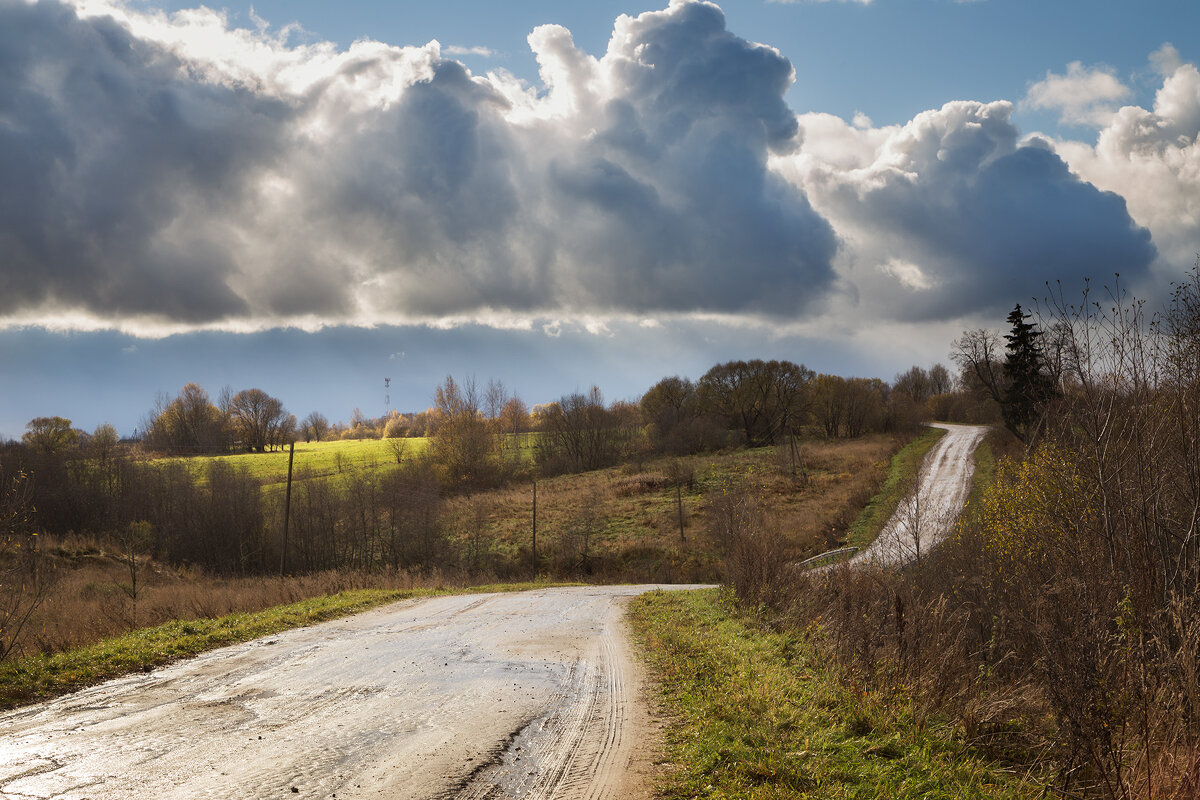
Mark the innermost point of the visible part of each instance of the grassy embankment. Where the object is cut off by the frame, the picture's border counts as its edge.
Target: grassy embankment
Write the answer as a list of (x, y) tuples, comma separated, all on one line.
[(39, 677), (761, 713), (758, 713)]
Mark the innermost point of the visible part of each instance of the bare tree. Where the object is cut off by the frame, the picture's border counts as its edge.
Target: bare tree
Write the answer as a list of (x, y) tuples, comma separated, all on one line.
[(977, 354), (495, 397), (315, 427), (24, 582), (134, 541), (259, 420), (940, 381), (579, 433)]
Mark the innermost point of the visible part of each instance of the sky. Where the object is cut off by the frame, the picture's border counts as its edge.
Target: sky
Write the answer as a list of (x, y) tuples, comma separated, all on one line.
[(308, 197)]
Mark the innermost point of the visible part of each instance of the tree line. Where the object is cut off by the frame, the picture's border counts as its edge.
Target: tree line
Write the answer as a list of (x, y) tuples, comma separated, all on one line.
[(218, 516), (191, 423)]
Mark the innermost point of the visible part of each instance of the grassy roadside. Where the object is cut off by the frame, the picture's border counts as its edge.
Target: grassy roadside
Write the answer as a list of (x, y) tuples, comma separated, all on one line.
[(985, 472), (756, 715), (901, 478), (40, 677)]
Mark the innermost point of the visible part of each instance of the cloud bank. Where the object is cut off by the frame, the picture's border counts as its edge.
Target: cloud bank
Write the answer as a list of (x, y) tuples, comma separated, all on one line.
[(162, 173), (953, 214), (172, 169)]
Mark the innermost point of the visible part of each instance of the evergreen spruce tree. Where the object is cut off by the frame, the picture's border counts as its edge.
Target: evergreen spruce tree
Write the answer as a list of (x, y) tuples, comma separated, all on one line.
[(1029, 386)]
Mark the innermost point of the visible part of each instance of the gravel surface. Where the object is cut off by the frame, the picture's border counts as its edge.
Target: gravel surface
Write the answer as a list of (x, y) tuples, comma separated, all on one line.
[(513, 695), (925, 517)]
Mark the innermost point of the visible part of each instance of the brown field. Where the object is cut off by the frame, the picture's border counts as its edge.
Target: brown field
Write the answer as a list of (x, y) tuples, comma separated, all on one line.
[(619, 524), (627, 518)]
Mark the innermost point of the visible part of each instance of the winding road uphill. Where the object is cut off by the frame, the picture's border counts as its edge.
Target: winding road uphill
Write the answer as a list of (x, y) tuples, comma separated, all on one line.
[(521, 695), (927, 515)]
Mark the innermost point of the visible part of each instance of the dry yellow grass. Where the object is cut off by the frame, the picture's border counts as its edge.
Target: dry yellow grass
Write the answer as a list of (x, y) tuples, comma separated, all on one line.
[(627, 517), (87, 602)]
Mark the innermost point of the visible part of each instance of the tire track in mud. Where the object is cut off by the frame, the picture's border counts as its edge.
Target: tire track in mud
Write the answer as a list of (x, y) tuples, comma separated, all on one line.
[(575, 747)]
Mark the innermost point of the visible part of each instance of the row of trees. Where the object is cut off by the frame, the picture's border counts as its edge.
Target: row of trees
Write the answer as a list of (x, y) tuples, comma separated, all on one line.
[(250, 420), (761, 402)]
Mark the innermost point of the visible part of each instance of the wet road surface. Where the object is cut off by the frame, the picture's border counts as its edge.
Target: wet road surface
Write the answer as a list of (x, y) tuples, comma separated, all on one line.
[(924, 518), (514, 695)]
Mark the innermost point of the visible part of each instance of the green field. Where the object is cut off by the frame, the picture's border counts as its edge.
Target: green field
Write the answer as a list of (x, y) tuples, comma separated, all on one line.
[(321, 459), (313, 459)]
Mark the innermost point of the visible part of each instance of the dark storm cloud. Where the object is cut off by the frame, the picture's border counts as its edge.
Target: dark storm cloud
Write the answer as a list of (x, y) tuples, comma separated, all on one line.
[(143, 176), (107, 156)]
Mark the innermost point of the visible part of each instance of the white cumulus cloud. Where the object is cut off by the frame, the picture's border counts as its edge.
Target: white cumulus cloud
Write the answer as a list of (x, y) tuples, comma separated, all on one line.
[(1151, 157), (953, 214), (1083, 96)]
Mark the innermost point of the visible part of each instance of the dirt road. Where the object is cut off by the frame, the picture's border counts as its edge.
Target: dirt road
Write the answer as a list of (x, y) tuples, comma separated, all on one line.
[(923, 518), (528, 695)]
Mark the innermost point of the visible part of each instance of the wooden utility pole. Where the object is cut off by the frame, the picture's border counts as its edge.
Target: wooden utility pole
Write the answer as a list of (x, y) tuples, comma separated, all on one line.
[(792, 449), (534, 563), (679, 505), (287, 509)]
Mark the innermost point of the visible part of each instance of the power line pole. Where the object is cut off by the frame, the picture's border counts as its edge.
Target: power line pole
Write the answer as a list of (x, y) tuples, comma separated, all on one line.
[(287, 509), (535, 530)]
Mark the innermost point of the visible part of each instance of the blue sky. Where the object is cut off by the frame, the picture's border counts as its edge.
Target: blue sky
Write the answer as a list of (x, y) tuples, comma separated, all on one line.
[(258, 197), (886, 58)]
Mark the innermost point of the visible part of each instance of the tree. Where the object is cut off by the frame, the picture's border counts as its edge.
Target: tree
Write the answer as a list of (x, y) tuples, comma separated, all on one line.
[(761, 398), (514, 417), (259, 421), (976, 353), (579, 433), (1029, 385), (669, 402), (24, 581), (103, 443), (396, 426), (315, 427), (864, 405), (189, 423), (50, 434), (512, 422), (668, 408), (829, 403), (462, 444), (133, 542), (940, 381), (914, 384)]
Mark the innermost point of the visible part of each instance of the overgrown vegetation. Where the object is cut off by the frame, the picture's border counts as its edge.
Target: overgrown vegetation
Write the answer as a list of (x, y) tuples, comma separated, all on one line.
[(1057, 629), (617, 524), (756, 712)]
